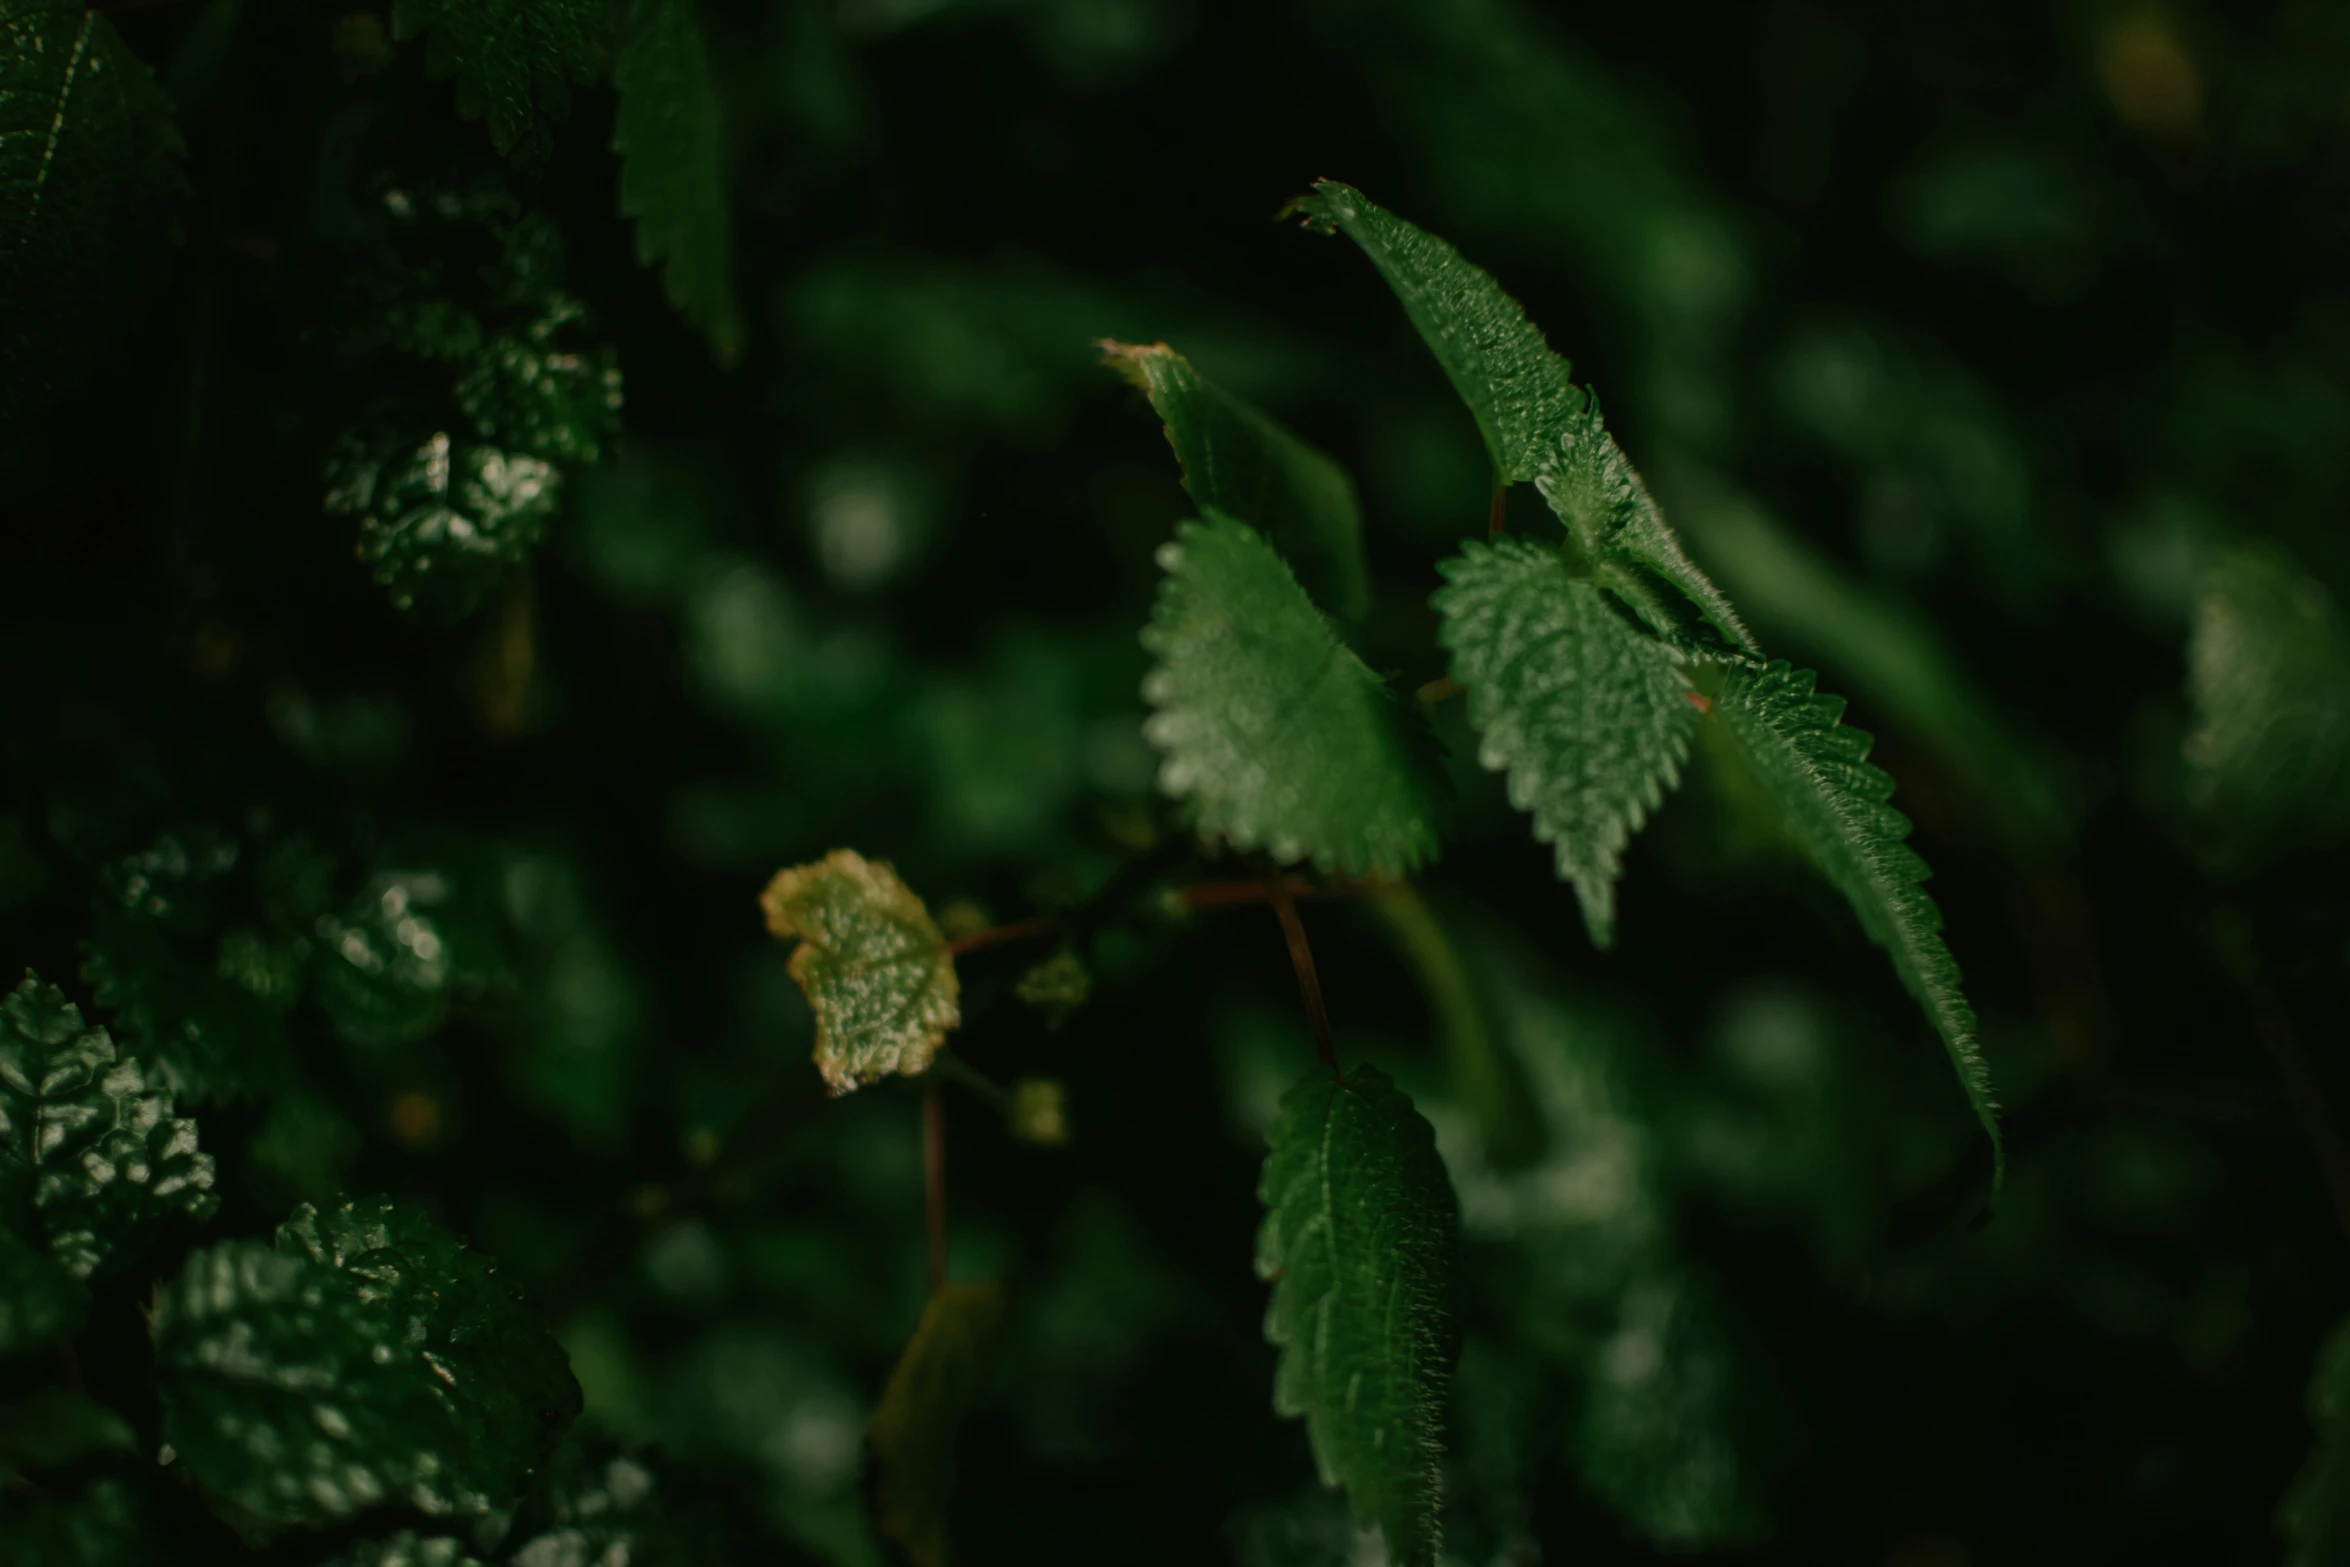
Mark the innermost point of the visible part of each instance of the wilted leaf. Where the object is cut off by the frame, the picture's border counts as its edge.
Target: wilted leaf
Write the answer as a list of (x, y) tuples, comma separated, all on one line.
[(1274, 731), (1359, 1241), (91, 1157), (90, 192), (673, 165), (872, 963), (1241, 463), (912, 1437), (367, 1359)]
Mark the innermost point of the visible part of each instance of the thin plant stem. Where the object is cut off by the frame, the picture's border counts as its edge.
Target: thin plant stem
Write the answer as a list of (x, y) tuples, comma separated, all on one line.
[(1301, 957), (1018, 930), (934, 1180), (1497, 516)]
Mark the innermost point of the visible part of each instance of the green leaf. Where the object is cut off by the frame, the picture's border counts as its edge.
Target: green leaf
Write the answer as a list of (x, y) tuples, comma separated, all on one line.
[(672, 147), (398, 956), (1839, 806), (1520, 390), (407, 1548), (514, 61), (2315, 1517), (367, 1359), (105, 1522), (1538, 425), (1587, 714), (40, 1303), (1240, 462), (90, 193), (2269, 674), (441, 521), (55, 1426), (1274, 731), (541, 391), (874, 967), (91, 1157), (912, 1436), (1359, 1239)]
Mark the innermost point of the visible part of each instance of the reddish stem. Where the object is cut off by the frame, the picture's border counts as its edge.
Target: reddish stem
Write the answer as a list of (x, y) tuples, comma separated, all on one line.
[(1301, 957), (1497, 519), (1018, 930), (934, 1181)]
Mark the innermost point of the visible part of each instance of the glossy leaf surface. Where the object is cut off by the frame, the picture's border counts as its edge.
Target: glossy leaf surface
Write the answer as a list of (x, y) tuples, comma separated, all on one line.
[(872, 963), (441, 521)]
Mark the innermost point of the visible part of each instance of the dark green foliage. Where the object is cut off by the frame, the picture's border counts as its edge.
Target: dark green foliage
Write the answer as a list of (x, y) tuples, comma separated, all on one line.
[(90, 195), (40, 1302), (92, 1161), (104, 1522), (1817, 770), (673, 176), (367, 1359), (1239, 462), (1358, 1241), (912, 1437), (1275, 734), (514, 61), (1588, 716), (2315, 1518)]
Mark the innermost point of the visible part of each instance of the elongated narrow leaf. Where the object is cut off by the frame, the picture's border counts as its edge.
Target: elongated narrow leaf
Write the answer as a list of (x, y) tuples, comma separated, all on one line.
[(1840, 806), (2315, 1517), (90, 193), (1279, 737), (1519, 389), (91, 1158), (912, 1435), (1587, 714), (514, 61), (673, 165), (1242, 463), (1538, 425), (872, 963), (368, 1359), (1359, 1242)]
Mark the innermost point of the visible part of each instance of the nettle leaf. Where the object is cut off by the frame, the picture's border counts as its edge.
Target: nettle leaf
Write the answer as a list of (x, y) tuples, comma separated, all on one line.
[(2269, 673), (367, 1359), (1242, 463), (441, 522), (400, 954), (1587, 714), (91, 1158), (1359, 1239), (912, 1436), (1839, 806), (672, 147), (2315, 1517), (1520, 390), (514, 61), (40, 1303), (1274, 731), (90, 194), (873, 964), (537, 391), (407, 1548), (1538, 425)]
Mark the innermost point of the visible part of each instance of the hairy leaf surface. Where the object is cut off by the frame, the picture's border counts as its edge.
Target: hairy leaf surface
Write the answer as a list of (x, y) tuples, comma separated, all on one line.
[(1359, 1241), (514, 61), (1840, 806), (673, 165), (872, 963), (90, 192), (1520, 390), (2269, 674), (367, 1359), (1587, 714), (2315, 1518), (91, 1158), (1242, 463), (912, 1436), (1274, 731)]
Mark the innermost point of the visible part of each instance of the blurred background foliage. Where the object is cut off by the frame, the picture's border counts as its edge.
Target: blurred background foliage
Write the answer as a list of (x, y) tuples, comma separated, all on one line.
[(1996, 359)]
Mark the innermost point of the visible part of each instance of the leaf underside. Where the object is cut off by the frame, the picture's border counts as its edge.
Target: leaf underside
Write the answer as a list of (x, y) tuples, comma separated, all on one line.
[(514, 61), (672, 172), (1359, 1238), (367, 1359), (872, 963), (1274, 731), (90, 195), (912, 1435), (1242, 463), (1587, 714), (1839, 806)]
